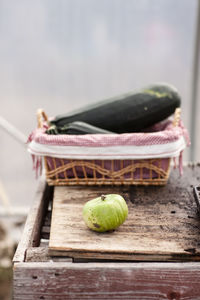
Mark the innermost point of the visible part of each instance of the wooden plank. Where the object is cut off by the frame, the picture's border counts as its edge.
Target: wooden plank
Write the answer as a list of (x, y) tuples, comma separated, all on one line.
[(162, 224), (31, 233), (37, 254), (125, 281), (103, 256), (40, 254)]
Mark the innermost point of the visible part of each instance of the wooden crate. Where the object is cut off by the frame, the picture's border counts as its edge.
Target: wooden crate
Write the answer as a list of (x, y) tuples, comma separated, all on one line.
[(37, 275)]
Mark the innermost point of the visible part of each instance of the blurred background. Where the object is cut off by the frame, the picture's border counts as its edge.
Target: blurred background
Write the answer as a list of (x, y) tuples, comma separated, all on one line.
[(61, 55)]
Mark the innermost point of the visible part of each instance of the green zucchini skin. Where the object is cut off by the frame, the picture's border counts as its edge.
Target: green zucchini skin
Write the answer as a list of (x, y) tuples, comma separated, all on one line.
[(77, 128), (131, 112)]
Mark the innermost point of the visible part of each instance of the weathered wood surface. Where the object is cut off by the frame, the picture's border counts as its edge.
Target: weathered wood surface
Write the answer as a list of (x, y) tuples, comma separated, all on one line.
[(162, 224), (40, 276), (32, 228), (40, 254), (148, 281)]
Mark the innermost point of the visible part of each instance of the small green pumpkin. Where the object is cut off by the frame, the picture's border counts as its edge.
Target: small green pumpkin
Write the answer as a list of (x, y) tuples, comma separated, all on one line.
[(105, 213)]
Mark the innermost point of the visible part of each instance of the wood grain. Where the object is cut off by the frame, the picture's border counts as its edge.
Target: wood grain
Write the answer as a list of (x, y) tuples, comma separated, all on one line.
[(162, 224), (148, 281), (40, 276), (31, 232), (40, 254)]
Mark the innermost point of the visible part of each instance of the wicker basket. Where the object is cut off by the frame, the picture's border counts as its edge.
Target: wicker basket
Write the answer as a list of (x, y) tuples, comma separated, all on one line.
[(61, 171)]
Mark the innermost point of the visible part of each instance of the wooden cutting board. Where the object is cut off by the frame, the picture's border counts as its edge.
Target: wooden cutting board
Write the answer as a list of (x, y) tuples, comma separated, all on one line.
[(162, 225)]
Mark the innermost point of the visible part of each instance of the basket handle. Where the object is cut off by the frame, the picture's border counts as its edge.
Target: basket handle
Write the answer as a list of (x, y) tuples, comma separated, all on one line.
[(41, 115), (177, 116)]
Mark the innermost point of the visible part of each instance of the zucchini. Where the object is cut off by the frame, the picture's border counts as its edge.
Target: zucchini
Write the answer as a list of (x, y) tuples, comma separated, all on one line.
[(76, 128), (131, 112)]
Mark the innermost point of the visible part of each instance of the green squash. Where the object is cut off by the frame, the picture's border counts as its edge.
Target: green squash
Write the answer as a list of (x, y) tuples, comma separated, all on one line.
[(130, 112), (105, 213)]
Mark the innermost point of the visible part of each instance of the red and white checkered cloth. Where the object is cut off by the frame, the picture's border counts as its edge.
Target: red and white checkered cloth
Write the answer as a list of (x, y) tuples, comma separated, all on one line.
[(161, 141)]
